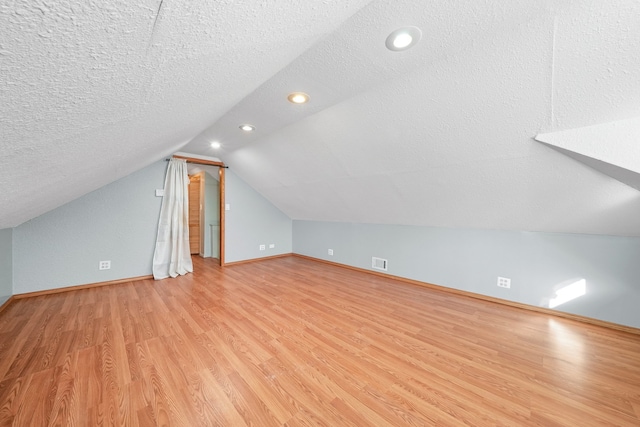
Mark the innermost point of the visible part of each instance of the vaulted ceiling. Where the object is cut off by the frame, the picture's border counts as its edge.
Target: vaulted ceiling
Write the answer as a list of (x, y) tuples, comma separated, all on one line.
[(441, 134)]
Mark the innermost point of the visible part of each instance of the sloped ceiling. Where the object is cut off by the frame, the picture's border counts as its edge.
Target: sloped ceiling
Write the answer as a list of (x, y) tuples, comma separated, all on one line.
[(439, 135), (611, 148), (92, 91)]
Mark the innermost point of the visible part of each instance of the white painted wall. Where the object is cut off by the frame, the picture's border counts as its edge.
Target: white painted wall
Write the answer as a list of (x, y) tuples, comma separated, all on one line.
[(471, 260), (6, 264)]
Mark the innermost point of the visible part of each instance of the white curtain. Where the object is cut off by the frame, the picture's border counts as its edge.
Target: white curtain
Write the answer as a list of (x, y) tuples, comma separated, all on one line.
[(172, 256)]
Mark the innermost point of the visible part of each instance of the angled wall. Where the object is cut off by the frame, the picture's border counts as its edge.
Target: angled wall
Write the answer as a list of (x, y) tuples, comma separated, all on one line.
[(117, 222), (538, 264), (6, 264), (610, 148), (252, 221)]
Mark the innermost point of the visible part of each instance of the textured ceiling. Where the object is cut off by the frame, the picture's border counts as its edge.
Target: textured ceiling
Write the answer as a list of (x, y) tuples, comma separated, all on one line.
[(92, 91), (438, 135), (611, 148)]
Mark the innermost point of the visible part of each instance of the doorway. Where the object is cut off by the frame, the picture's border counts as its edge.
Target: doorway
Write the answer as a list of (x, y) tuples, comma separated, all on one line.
[(206, 213), (215, 169), (195, 213)]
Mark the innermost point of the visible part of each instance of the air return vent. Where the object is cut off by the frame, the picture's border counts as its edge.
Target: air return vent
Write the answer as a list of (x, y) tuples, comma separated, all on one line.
[(379, 263)]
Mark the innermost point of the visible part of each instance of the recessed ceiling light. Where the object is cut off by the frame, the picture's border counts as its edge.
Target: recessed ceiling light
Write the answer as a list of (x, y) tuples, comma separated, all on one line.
[(247, 127), (216, 145), (403, 38), (298, 97)]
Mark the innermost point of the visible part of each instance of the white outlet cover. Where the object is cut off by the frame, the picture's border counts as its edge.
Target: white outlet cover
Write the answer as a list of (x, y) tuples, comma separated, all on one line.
[(160, 192), (104, 265), (504, 282), (330, 252), (272, 245), (262, 247), (227, 207)]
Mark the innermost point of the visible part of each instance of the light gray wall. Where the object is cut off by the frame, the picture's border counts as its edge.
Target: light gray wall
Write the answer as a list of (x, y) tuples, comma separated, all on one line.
[(211, 215), (6, 264), (252, 221), (471, 260), (117, 222)]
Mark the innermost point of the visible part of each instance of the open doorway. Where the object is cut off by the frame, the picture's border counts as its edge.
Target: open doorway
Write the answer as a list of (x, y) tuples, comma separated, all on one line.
[(209, 211), (205, 222)]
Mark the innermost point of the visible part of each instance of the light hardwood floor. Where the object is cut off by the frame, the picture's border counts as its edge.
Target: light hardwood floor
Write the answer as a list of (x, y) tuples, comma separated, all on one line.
[(295, 342)]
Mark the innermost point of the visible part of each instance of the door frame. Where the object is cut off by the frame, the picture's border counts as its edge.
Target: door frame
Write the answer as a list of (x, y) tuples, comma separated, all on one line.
[(221, 173)]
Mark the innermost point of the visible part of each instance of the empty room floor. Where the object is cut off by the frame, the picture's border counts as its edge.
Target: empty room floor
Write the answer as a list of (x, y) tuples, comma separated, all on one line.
[(295, 342)]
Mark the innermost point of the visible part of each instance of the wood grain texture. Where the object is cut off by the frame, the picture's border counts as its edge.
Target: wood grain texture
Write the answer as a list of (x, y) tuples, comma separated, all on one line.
[(199, 161), (195, 213), (248, 261), (78, 287), (294, 342), (544, 310), (6, 303)]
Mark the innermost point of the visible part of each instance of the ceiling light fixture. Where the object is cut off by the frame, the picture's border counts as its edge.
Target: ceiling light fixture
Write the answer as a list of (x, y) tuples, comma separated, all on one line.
[(215, 145), (247, 127), (403, 38), (298, 97)]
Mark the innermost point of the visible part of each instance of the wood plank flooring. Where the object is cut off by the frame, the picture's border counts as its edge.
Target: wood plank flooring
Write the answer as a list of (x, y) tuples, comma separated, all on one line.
[(294, 342)]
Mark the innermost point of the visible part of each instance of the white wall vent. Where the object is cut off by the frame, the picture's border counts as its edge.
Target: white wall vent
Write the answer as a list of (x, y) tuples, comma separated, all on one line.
[(379, 263)]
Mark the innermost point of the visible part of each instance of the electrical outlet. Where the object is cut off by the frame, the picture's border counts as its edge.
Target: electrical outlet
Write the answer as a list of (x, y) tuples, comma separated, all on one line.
[(262, 247), (330, 252), (504, 282), (104, 265), (272, 245)]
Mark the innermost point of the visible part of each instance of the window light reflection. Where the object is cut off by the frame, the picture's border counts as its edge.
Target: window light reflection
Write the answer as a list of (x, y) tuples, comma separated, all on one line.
[(569, 292)]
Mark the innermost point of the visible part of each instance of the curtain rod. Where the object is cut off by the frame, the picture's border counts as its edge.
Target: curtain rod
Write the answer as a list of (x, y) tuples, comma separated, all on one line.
[(200, 161)]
